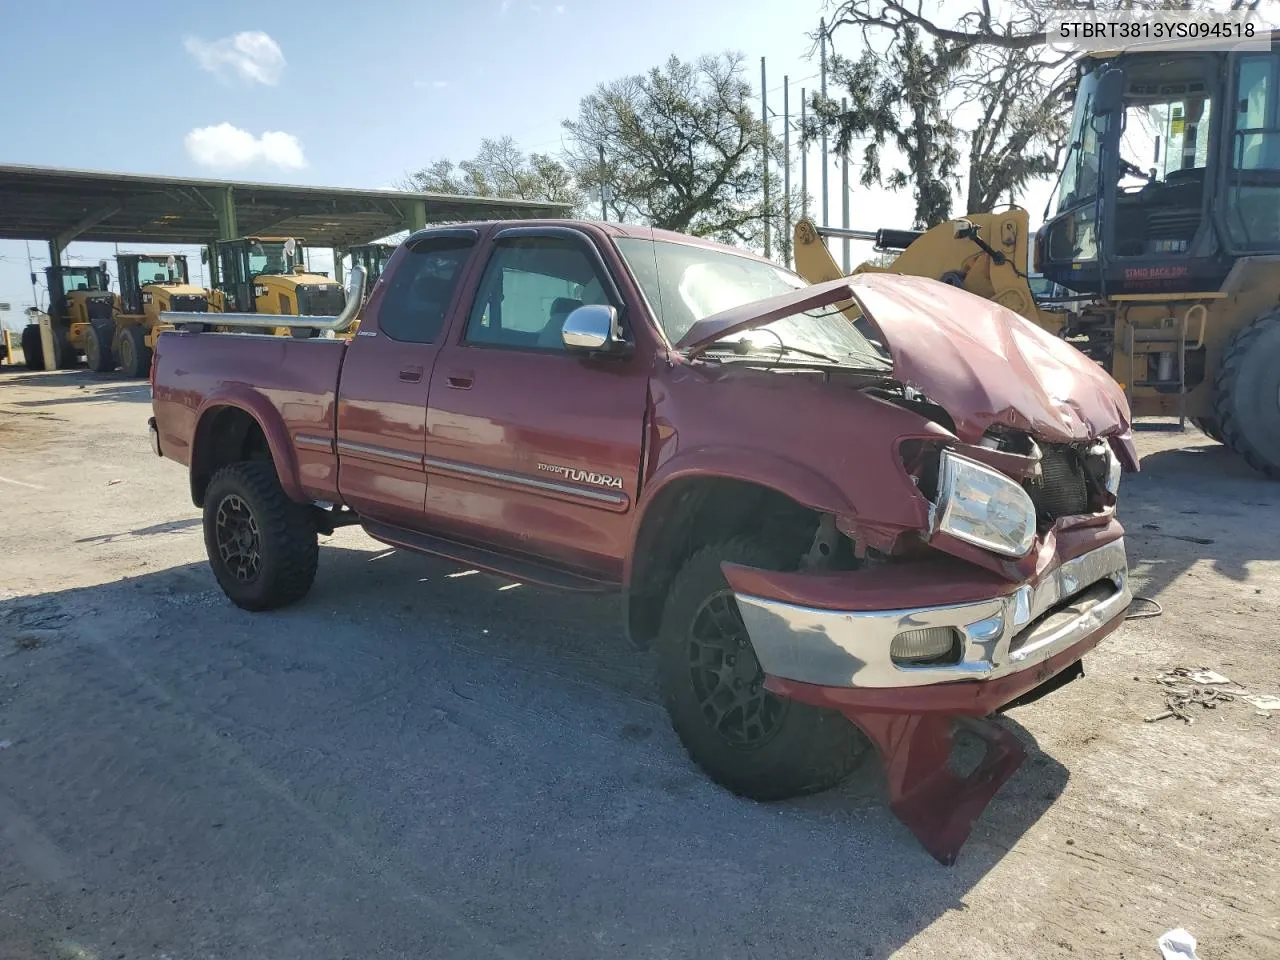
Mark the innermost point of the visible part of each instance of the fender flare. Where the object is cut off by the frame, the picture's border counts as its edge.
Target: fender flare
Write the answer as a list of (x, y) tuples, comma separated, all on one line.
[(245, 398), (801, 483)]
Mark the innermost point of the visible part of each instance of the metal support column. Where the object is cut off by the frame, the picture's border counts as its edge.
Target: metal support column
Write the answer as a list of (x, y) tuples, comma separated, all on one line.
[(823, 90), (337, 263), (844, 192), (804, 160), (786, 171), (417, 215), (224, 208)]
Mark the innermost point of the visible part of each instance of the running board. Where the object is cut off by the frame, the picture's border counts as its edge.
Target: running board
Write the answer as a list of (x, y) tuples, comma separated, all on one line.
[(524, 571)]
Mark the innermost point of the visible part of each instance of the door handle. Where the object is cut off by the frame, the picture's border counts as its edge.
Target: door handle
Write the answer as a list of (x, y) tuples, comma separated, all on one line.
[(411, 375), (461, 379)]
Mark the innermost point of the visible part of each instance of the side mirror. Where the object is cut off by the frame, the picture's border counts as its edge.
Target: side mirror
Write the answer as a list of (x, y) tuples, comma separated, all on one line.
[(593, 328)]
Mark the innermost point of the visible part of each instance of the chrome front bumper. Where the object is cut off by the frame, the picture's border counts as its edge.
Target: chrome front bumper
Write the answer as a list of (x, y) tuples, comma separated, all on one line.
[(999, 636)]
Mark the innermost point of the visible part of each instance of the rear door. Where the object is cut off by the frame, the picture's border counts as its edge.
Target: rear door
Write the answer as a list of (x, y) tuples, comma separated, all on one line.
[(529, 448), (382, 399)]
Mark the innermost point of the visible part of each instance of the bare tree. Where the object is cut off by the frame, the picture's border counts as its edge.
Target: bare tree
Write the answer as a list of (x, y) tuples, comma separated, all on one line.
[(499, 169), (682, 149), (1010, 102)]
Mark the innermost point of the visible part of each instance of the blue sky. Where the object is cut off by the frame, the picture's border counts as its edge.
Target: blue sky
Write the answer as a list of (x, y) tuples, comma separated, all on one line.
[(356, 94)]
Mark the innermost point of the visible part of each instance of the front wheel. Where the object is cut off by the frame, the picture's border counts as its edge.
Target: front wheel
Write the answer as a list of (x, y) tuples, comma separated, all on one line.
[(135, 355), (746, 739), (262, 546), (97, 347), (1247, 395), (32, 347)]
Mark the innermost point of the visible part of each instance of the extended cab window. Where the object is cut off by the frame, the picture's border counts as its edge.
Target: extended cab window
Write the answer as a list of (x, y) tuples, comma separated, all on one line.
[(529, 287), (419, 292)]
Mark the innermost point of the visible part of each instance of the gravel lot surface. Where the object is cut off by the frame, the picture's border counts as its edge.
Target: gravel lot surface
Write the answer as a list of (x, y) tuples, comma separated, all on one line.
[(419, 762)]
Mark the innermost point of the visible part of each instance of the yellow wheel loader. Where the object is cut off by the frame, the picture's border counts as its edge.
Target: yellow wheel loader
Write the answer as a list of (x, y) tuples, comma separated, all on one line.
[(268, 275), (79, 302), (1164, 237)]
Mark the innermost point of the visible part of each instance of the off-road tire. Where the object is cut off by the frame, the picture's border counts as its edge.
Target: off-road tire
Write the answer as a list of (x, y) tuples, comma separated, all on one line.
[(135, 355), (1246, 395), (287, 544), (32, 348), (1208, 426), (97, 347), (809, 750)]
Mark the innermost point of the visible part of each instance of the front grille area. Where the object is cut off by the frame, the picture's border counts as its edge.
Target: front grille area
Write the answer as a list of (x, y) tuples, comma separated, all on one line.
[(315, 300), (188, 303), (99, 308), (1062, 489)]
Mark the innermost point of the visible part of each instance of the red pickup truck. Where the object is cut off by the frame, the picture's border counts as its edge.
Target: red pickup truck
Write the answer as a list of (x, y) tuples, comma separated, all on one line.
[(873, 509)]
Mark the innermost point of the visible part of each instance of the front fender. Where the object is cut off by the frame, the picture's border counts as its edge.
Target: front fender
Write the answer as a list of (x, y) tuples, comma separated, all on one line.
[(243, 397), (801, 483)]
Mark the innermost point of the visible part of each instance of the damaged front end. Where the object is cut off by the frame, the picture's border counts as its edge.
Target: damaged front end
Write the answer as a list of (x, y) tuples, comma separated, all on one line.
[(1018, 572)]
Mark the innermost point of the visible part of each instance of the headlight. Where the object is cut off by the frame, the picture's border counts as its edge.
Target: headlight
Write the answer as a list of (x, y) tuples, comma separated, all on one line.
[(1113, 472), (984, 507)]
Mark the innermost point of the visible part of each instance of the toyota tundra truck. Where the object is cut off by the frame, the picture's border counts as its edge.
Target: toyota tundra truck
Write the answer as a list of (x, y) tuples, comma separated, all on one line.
[(849, 517)]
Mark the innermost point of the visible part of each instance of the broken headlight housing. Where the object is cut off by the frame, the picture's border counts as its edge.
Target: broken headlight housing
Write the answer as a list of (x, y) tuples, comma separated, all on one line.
[(983, 507)]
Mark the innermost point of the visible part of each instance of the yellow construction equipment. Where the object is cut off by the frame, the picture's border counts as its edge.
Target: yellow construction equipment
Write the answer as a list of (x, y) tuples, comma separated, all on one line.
[(268, 275), (79, 301), (1171, 272)]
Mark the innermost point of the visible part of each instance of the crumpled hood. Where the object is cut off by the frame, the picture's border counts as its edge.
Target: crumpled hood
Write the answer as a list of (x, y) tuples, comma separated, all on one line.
[(979, 361), (986, 365)]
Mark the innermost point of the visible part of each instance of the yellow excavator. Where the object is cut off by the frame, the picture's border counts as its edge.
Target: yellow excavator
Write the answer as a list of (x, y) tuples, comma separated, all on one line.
[(1169, 273)]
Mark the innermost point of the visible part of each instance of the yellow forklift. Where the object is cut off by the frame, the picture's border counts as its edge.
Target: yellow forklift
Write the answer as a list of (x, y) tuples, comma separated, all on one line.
[(1169, 271)]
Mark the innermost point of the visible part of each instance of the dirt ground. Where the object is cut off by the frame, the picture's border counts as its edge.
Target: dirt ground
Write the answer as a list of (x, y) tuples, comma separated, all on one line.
[(417, 762)]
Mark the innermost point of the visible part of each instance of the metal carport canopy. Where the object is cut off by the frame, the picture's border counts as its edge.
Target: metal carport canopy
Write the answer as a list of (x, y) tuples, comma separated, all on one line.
[(47, 203)]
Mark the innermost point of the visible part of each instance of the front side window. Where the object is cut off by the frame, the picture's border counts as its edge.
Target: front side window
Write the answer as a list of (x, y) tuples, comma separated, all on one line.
[(529, 288), (157, 270), (685, 283), (272, 258), (1079, 180), (418, 294), (1253, 185)]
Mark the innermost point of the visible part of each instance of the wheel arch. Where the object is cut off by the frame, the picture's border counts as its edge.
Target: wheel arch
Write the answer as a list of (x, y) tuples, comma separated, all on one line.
[(233, 426), (713, 495)]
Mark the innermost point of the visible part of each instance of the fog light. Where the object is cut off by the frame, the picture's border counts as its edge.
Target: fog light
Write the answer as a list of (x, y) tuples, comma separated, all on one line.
[(927, 645)]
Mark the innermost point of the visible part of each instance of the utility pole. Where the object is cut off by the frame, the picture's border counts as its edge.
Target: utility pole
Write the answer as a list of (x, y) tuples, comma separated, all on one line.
[(32, 273), (844, 191), (804, 161), (822, 27), (786, 171), (764, 152), (604, 206)]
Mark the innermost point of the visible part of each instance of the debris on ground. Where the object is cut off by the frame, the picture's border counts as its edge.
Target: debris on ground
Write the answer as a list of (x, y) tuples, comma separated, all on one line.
[(28, 641), (1177, 945), (1185, 687), (1263, 701)]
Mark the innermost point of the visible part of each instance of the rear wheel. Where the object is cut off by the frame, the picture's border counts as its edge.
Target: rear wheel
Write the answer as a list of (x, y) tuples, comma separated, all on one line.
[(262, 546), (32, 348), (1247, 395), (135, 355), (97, 347), (746, 739)]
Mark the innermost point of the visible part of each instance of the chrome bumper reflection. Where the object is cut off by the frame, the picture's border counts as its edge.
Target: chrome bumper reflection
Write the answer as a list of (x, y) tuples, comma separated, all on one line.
[(998, 636)]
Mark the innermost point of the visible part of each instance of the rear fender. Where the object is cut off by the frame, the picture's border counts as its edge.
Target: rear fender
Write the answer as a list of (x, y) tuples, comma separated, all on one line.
[(268, 419)]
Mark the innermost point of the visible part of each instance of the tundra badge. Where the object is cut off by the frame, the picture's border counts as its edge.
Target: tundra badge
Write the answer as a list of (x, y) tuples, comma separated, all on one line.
[(582, 476)]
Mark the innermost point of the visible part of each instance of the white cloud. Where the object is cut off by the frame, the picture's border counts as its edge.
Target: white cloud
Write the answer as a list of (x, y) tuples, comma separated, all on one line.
[(251, 56), (559, 8), (230, 148), (506, 5)]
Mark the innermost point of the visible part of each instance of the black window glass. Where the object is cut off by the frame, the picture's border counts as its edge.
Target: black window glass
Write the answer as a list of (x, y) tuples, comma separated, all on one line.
[(420, 290)]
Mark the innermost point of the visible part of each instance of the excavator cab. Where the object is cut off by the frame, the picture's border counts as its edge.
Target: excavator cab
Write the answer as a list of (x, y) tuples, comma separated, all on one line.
[(1172, 175), (246, 263)]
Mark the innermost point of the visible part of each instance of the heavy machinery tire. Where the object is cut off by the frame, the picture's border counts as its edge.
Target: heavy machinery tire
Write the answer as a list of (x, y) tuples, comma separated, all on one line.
[(746, 739), (1247, 395), (135, 355), (62, 348), (1208, 426), (97, 347), (262, 546), (32, 348)]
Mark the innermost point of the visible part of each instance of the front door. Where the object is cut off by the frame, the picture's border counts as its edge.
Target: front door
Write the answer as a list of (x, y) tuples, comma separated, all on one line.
[(386, 375), (529, 445)]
